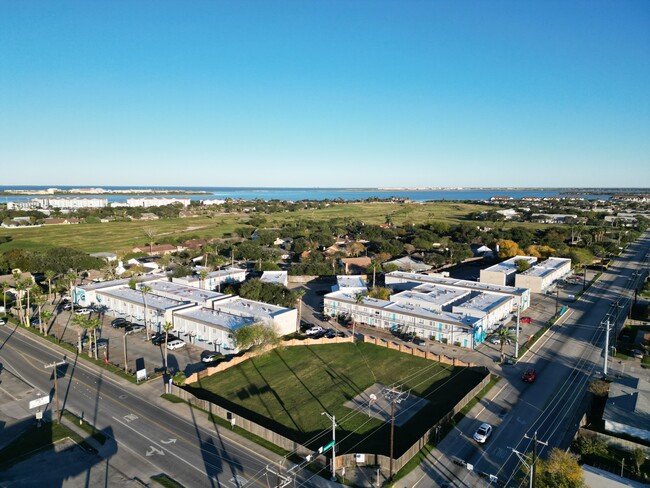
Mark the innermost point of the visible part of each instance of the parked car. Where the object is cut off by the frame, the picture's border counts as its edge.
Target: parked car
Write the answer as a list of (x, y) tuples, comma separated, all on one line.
[(83, 311), (332, 333), (133, 329), (526, 320), (418, 341), (66, 306), (119, 322), (494, 340), (483, 433), (102, 343), (315, 330), (2, 322), (175, 344), (638, 354), (159, 339), (513, 329), (210, 356), (529, 375)]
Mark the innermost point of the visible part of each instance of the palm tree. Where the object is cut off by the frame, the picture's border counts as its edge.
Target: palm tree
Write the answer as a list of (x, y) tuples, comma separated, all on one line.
[(150, 234), (49, 276), (167, 328), (71, 277), (28, 312), (93, 325), (46, 316), (38, 299), (145, 289), (20, 289), (203, 274), (82, 323), (299, 294), (504, 336), (208, 250), (5, 287)]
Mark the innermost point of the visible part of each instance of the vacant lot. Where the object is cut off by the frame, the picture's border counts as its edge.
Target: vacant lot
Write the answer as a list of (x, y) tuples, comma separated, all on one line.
[(123, 236), (287, 390)]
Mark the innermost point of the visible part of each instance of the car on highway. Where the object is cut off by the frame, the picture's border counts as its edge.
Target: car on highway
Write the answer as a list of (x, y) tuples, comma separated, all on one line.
[(483, 433), (529, 375), (133, 329), (175, 344), (119, 323), (83, 311), (316, 329), (526, 320), (210, 356)]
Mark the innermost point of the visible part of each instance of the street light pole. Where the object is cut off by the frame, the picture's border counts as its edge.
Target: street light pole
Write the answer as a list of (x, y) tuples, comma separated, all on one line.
[(606, 347), (333, 419), (55, 365), (125, 362), (517, 335)]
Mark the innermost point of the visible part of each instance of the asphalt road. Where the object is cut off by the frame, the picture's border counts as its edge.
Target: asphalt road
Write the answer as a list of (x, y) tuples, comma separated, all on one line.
[(567, 359), (149, 435)]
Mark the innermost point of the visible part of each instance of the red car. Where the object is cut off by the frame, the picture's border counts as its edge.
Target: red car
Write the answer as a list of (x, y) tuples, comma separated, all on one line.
[(526, 320), (529, 375)]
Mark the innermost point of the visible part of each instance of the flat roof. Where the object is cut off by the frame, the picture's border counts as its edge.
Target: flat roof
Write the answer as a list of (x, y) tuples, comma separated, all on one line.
[(278, 277), (453, 282), (441, 316), (215, 318), (225, 272), (547, 267), (238, 305), (509, 265), (484, 302), (119, 282), (184, 292), (351, 281), (435, 296), (153, 301)]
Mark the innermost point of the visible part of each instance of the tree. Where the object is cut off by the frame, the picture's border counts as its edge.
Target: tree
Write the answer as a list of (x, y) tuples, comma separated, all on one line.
[(560, 470), (150, 234), (509, 249), (81, 322), (49, 276), (46, 317), (504, 336), (256, 335), (93, 325), (5, 287), (203, 274), (20, 290), (28, 287), (71, 277), (167, 328), (522, 265), (639, 459), (380, 293), (374, 267), (145, 289), (38, 299)]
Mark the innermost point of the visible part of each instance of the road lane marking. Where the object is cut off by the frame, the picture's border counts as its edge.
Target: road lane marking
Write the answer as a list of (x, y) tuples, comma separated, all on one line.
[(152, 450)]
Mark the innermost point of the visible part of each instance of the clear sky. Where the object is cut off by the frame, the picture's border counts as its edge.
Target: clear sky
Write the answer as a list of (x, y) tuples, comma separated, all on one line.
[(325, 93)]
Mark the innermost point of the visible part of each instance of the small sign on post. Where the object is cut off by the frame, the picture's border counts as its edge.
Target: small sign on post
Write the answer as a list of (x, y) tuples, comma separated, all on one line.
[(39, 402), (140, 375)]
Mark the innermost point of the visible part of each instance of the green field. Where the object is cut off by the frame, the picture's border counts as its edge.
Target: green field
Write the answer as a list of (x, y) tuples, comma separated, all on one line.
[(123, 236), (287, 389)]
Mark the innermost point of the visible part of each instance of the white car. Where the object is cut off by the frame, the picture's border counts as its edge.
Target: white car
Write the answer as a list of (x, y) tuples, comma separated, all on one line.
[(175, 344), (83, 311), (2, 322), (483, 433), (314, 330)]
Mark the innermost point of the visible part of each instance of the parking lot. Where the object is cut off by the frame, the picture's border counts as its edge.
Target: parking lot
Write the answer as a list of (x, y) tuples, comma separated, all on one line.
[(139, 351)]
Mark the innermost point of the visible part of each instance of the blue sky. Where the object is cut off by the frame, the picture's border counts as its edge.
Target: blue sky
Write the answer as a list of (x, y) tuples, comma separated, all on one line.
[(313, 93)]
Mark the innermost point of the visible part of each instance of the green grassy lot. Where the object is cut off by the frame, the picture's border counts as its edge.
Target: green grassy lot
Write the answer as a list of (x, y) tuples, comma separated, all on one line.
[(123, 236), (287, 390)]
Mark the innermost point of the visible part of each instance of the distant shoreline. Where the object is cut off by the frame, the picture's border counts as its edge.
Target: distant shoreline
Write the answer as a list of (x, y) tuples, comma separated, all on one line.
[(130, 192)]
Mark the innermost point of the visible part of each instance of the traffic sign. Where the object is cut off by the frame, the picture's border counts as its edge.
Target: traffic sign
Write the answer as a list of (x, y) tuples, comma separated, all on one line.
[(39, 402), (327, 447)]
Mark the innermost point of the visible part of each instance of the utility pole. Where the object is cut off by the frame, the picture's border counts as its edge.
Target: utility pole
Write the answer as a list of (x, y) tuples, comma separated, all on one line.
[(333, 419), (396, 396), (557, 301), (606, 347), (524, 460), (533, 464), (517, 336), (126, 369), (55, 365)]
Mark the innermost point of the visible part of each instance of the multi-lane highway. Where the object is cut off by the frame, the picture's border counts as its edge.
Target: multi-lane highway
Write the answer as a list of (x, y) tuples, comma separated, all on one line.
[(566, 359), (149, 434)]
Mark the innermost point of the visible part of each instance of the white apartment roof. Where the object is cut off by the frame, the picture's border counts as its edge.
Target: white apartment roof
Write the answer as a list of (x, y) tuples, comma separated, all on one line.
[(184, 292), (153, 301), (441, 316), (438, 296), (510, 265), (225, 272), (484, 302), (277, 277), (546, 267), (350, 281), (453, 282), (120, 282), (215, 318), (249, 308)]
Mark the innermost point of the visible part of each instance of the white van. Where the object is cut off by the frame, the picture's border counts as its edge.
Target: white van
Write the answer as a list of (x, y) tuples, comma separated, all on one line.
[(175, 344)]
